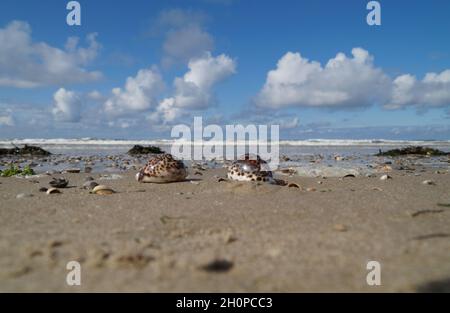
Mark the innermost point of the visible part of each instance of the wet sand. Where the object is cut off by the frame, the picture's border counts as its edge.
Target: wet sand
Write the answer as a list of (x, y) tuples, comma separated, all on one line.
[(205, 235)]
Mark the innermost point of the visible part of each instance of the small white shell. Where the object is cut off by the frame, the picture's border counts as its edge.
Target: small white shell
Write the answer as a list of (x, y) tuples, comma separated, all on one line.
[(428, 182), (385, 177), (53, 191), (102, 190)]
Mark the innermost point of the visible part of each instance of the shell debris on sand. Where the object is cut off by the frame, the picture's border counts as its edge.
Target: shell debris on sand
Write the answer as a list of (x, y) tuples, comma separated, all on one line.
[(90, 185), (385, 177), (102, 190), (59, 183), (51, 191), (428, 182)]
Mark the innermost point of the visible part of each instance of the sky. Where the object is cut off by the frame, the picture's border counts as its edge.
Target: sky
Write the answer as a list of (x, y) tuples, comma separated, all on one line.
[(134, 69)]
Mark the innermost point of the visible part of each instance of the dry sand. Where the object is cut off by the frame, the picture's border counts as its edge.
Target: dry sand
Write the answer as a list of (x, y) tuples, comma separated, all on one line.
[(150, 237)]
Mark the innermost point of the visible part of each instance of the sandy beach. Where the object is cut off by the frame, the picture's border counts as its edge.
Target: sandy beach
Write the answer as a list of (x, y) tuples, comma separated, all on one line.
[(206, 235)]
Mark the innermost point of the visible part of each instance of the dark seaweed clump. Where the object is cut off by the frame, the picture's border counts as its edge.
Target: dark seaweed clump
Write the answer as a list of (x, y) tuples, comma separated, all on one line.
[(25, 150), (137, 149), (413, 150)]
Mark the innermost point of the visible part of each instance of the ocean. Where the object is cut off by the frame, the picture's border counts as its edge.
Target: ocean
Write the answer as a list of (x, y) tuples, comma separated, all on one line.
[(311, 157)]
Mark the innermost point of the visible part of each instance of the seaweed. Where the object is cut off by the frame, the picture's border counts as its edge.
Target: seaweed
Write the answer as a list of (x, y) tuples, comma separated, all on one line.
[(412, 150), (25, 150), (137, 149), (15, 170)]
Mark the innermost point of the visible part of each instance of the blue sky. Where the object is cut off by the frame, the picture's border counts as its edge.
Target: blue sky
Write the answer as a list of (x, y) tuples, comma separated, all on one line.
[(229, 61)]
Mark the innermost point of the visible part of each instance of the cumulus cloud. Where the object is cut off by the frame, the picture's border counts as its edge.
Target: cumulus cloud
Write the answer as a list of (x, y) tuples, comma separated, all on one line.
[(432, 91), (349, 82), (67, 106), (185, 43), (343, 81), (185, 36), (27, 64), (194, 91), (95, 95), (139, 94)]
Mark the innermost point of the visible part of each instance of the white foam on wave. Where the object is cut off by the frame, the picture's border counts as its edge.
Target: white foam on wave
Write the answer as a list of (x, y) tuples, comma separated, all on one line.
[(311, 142)]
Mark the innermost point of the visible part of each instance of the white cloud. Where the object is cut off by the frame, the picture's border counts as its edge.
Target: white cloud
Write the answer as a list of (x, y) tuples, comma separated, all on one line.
[(347, 82), (343, 81), (67, 106), (27, 64), (194, 91), (178, 18), (139, 94), (185, 43), (7, 120), (95, 95), (184, 35), (432, 91)]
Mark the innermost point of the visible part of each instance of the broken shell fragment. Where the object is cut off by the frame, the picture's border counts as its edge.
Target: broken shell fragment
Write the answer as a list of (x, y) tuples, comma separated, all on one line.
[(280, 182), (59, 183), (428, 182), (385, 177), (90, 185), (102, 190), (293, 185), (53, 191)]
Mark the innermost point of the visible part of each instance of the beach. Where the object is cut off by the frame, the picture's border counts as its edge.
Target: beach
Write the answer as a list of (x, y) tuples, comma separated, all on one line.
[(213, 235)]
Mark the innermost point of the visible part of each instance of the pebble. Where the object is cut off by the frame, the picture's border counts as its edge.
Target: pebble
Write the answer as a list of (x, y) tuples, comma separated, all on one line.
[(72, 170), (218, 266), (385, 177)]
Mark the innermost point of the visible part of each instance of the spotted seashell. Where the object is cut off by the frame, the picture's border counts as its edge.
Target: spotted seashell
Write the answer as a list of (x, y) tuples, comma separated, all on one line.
[(250, 168), (162, 169)]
